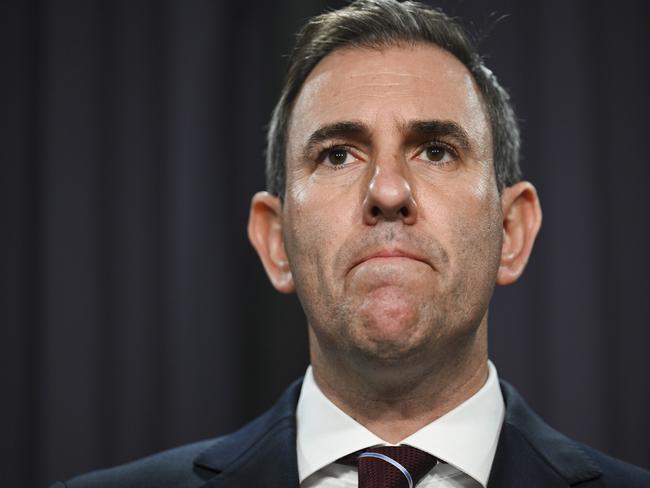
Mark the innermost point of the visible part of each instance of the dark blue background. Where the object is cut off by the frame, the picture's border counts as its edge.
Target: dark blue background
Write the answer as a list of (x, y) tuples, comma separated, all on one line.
[(134, 314)]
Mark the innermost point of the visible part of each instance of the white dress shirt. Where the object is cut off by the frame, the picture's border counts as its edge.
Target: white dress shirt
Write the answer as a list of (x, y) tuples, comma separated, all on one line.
[(464, 438)]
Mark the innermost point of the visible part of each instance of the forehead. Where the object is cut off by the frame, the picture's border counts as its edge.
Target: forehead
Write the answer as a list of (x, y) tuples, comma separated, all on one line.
[(398, 84)]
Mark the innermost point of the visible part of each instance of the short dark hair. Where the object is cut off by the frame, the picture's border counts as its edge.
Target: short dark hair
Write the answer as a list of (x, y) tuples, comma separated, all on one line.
[(379, 24)]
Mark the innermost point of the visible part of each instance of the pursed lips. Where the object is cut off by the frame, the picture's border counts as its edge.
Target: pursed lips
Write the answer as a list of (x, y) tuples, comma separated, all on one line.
[(392, 253)]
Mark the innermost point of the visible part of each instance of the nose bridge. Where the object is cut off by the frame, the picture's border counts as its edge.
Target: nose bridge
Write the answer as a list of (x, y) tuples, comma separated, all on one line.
[(389, 195)]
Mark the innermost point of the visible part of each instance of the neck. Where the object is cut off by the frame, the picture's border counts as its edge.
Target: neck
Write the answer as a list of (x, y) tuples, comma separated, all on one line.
[(395, 400)]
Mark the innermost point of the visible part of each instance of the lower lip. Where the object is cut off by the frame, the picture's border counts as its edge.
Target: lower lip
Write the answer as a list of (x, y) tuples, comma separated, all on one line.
[(390, 259)]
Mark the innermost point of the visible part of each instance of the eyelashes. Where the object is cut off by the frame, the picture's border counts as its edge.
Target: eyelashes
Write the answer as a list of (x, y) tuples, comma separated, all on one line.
[(438, 153), (339, 156)]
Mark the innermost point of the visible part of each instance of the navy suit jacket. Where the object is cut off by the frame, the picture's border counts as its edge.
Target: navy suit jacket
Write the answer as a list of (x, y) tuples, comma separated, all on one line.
[(262, 454)]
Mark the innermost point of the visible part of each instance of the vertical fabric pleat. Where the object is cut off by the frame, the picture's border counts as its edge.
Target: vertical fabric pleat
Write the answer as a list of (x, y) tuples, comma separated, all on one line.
[(134, 315)]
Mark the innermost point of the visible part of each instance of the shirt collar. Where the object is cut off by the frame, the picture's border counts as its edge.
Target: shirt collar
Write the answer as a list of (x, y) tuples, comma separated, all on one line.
[(465, 437)]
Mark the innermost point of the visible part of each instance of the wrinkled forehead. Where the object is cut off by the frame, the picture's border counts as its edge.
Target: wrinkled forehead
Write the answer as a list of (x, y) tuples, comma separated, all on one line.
[(398, 84)]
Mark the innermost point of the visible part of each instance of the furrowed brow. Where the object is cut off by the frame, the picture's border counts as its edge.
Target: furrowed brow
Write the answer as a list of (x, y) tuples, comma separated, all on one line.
[(342, 130), (439, 129)]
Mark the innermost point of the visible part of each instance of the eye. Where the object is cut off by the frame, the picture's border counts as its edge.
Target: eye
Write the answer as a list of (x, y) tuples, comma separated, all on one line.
[(337, 156), (437, 153)]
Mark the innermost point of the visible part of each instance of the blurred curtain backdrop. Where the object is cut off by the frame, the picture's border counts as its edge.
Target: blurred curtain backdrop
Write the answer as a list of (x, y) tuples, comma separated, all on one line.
[(134, 314)]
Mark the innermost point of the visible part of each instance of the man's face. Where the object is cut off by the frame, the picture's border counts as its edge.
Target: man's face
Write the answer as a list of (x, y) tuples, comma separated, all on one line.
[(392, 220)]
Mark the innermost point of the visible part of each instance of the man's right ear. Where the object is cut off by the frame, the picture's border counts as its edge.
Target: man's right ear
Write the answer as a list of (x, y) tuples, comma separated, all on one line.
[(265, 233)]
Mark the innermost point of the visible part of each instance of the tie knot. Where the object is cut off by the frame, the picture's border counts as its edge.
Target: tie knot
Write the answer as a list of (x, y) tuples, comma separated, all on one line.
[(390, 466)]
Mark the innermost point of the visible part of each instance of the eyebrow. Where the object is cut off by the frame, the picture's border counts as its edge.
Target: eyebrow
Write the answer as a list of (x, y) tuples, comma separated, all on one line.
[(343, 130), (433, 129), (420, 129)]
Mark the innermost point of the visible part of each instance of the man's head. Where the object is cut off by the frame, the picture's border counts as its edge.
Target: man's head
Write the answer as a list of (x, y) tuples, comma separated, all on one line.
[(377, 24), (396, 222)]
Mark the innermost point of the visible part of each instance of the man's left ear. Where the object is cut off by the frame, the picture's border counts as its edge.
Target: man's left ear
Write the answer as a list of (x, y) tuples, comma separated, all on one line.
[(522, 218)]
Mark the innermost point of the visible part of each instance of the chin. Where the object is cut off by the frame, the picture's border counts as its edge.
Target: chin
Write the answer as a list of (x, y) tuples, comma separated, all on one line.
[(390, 339), (389, 313)]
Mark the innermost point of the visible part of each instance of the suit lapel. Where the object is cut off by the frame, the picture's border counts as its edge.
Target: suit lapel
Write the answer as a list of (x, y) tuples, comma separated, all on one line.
[(532, 454), (262, 454), (516, 464)]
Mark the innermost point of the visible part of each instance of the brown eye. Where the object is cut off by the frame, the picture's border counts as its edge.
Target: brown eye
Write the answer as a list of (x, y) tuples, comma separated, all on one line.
[(435, 153), (337, 156)]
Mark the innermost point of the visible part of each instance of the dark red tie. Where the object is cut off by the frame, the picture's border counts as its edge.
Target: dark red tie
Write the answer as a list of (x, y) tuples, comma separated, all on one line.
[(390, 466)]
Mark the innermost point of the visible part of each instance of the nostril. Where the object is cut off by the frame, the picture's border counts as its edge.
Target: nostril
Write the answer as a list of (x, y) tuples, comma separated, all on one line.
[(404, 211), (375, 211)]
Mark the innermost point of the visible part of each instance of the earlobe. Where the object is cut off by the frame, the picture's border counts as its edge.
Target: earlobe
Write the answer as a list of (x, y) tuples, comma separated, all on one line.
[(265, 234), (522, 218)]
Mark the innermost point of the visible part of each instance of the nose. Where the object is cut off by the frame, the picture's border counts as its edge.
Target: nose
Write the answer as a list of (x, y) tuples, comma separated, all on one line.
[(389, 197)]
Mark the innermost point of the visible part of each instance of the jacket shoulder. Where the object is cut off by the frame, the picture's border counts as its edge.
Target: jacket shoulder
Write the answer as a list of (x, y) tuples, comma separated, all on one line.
[(529, 449), (618, 473), (267, 443), (165, 469)]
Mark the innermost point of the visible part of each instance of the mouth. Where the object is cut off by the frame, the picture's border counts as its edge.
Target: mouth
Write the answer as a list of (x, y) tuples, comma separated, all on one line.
[(391, 254)]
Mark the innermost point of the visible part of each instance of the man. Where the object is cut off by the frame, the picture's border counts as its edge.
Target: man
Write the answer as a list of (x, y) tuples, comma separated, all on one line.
[(394, 207)]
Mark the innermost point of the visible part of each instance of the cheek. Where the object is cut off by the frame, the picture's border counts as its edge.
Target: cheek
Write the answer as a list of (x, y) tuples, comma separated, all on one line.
[(300, 238), (480, 240), (467, 218), (477, 198), (320, 209), (318, 224), (308, 237)]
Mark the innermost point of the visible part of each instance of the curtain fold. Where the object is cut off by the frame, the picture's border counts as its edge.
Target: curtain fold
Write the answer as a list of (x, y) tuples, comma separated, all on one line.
[(135, 315)]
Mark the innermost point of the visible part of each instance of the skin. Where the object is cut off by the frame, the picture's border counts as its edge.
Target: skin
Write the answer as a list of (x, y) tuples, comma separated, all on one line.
[(393, 232)]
